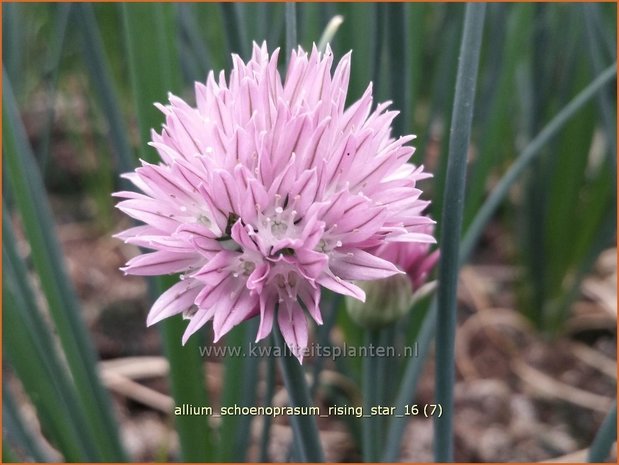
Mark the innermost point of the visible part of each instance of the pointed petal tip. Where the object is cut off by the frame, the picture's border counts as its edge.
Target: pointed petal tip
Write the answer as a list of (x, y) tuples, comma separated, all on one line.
[(217, 336)]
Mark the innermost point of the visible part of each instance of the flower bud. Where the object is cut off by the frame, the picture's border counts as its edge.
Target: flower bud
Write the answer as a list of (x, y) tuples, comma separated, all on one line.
[(387, 300)]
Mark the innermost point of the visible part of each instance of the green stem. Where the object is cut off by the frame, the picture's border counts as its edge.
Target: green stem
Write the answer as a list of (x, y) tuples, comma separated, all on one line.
[(248, 396), (408, 387), (371, 397), (323, 332), (304, 427), (268, 401), (605, 437), (399, 63), (451, 226)]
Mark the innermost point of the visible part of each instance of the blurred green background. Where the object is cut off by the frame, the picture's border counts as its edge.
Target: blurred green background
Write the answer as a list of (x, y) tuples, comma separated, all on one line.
[(79, 82)]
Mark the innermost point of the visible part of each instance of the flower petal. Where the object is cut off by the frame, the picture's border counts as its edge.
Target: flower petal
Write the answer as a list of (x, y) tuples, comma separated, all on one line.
[(360, 265), (232, 311), (268, 300), (293, 326), (199, 319), (175, 300), (337, 284), (161, 263)]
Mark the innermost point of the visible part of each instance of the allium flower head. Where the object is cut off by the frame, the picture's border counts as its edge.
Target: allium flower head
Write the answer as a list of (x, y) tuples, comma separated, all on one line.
[(268, 190)]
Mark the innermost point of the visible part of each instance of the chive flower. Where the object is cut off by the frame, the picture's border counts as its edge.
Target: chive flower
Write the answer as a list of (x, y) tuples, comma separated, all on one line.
[(268, 190)]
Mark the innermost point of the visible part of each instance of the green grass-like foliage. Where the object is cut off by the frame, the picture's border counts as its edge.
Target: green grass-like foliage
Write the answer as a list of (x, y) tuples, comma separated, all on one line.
[(540, 167)]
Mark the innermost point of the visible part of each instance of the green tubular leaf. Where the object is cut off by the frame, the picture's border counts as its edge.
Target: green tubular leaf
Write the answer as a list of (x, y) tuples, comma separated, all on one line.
[(374, 368), (234, 430), (154, 72), (47, 257), (323, 332), (291, 28), (498, 100), (51, 71), (51, 409), (353, 335), (22, 311), (248, 393), (531, 151), (415, 26), (358, 20), (150, 37), (304, 427), (378, 68), (99, 71), (235, 32), (189, 26), (414, 366), (399, 50), (451, 224), (268, 401), (441, 105), (187, 380), (605, 437), (12, 39), (408, 386), (17, 433), (604, 99)]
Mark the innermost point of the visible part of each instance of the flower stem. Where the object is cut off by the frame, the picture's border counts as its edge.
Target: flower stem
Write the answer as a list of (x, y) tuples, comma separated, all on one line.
[(408, 387), (605, 437), (304, 426), (268, 401), (371, 397), (453, 201)]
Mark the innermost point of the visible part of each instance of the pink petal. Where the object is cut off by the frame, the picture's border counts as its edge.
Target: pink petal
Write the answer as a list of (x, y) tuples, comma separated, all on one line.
[(293, 325), (199, 319), (150, 211), (230, 312), (216, 268), (257, 278), (310, 296), (209, 296), (160, 263), (175, 300), (311, 263), (336, 284), (164, 184), (360, 265), (225, 195), (268, 300)]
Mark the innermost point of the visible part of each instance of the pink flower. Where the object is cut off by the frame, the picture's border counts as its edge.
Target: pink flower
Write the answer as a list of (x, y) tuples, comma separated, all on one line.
[(268, 191), (390, 299), (415, 259)]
